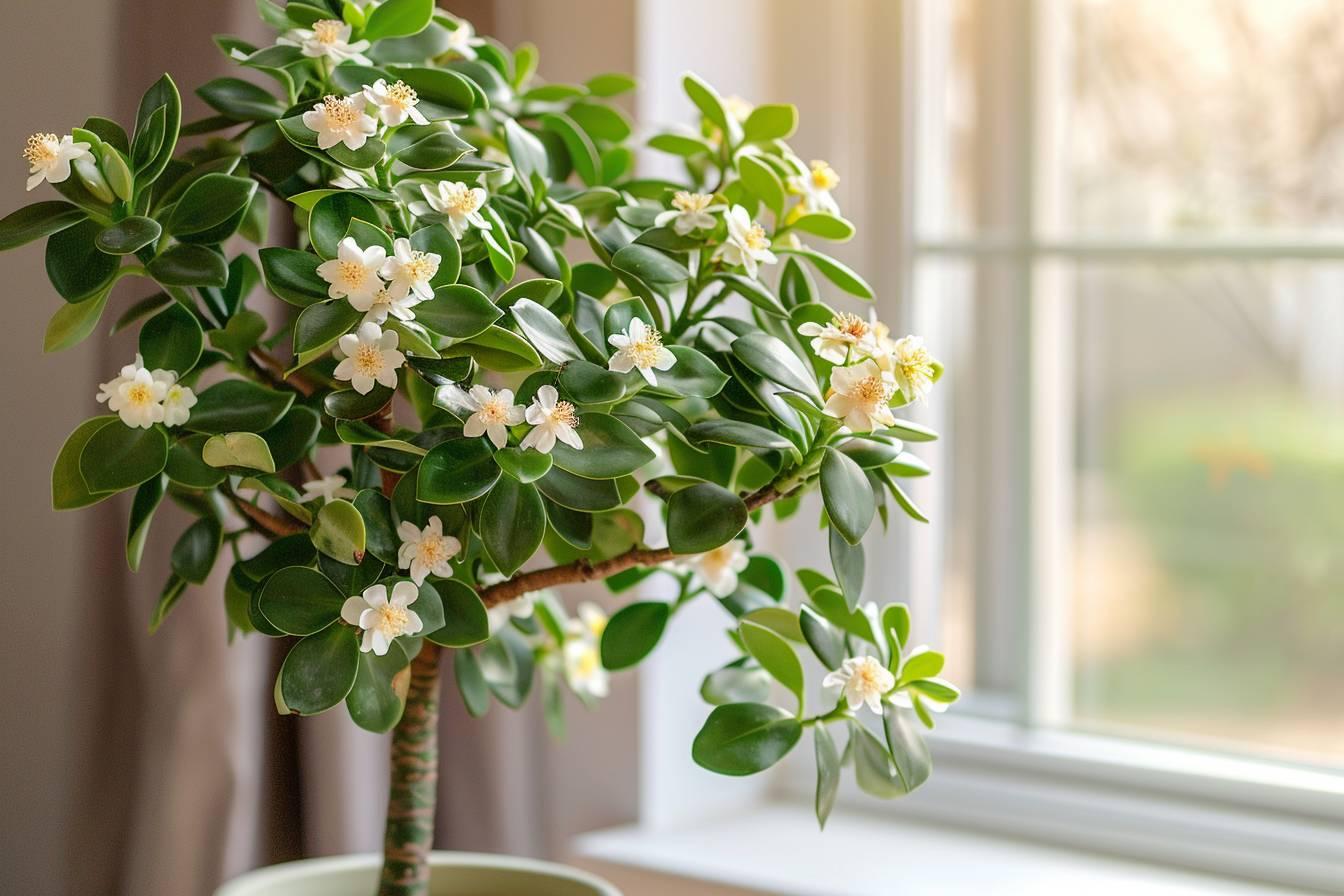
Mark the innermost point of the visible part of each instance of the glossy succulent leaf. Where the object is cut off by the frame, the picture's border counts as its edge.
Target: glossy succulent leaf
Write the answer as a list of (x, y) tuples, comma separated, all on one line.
[(745, 738)]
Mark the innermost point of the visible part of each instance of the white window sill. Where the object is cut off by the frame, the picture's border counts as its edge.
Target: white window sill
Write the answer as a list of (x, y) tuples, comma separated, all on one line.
[(777, 849)]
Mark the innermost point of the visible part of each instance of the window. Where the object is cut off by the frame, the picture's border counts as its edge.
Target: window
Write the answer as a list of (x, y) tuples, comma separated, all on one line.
[(1118, 245)]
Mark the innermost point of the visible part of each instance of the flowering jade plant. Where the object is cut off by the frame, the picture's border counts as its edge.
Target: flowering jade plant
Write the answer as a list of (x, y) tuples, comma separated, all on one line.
[(501, 361)]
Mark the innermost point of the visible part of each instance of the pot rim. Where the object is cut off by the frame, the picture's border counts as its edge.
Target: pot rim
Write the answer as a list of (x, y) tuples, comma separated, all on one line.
[(288, 872)]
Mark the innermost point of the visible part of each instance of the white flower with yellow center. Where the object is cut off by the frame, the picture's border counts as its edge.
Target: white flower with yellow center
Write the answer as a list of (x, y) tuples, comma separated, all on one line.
[(395, 102), (381, 618), (910, 365), (177, 403), (353, 273), (371, 357), (860, 395), (640, 347), (864, 680), (110, 391), (138, 398), (409, 271), (551, 419), (590, 625), (461, 203), (463, 41), (383, 305), (834, 341), (690, 211), (815, 186), (747, 243), (327, 39), (583, 669), (328, 488), (340, 119), (491, 413), (717, 569), (426, 551), (49, 157)]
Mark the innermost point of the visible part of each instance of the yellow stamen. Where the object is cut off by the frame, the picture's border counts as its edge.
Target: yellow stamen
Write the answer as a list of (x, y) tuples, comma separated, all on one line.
[(421, 267), (368, 359), (494, 411), (691, 202), (824, 176), (139, 393), (40, 148), (851, 325), (872, 391), (459, 199), (564, 413), (644, 352), (328, 31), (402, 95), (352, 272), (392, 620), (756, 239), (340, 111)]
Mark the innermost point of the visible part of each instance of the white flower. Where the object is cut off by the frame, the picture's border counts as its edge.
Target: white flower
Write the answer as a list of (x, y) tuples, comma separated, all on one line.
[(370, 356), (340, 119), (815, 186), (383, 619), (834, 341), (177, 403), (864, 680), (138, 397), (110, 391), (409, 271), (551, 419), (640, 347), (583, 669), (49, 157), (746, 244), (395, 103), (492, 413), (383, 304), (590, 625), (463, 40), (717, 569), (690, 211), (353, 273), (425, 551), (327, 39), (860, 395), (461, 203), (910, 365), (518, 608), (328, 488)]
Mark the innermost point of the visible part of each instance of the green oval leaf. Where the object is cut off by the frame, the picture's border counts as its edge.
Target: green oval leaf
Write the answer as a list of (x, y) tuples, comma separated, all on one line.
[(118, 457), (458, 310), (745, 738), (610, 449), (776, 656), (292, 275), (320, 670), (300, 601), (457, 471), (512, 523), (632, 633), (545, 331), (128, 235), (847, 495), (238, 449), (378, 697), (68, 488), (238, 406), (774, 360), (398, 18), (32, 222), (211, 208), (702, 517), (465, 619), (338, 532), (172, 340), (76, 267), (195, 552), (190, 265)]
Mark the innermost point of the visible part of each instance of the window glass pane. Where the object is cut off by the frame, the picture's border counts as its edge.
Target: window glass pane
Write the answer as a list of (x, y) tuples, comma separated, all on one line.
[(1209, 492), (1196, 116)]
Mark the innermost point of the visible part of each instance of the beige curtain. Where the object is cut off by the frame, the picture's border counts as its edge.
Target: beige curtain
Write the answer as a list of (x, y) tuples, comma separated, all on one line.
[(140, 765)]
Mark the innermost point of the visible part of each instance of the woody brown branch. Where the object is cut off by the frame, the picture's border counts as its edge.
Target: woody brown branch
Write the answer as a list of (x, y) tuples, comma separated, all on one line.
[(265, 522), (582, 570)]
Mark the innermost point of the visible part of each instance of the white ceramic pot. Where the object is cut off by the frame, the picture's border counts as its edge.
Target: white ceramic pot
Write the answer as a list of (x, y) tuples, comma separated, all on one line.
[(451, 874)]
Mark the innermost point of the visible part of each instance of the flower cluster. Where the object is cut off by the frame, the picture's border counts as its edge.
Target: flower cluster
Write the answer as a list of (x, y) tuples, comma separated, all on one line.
[(491, 413), (383, 618), (584, 671), (143, 397), (378, 284), (872, 369)]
